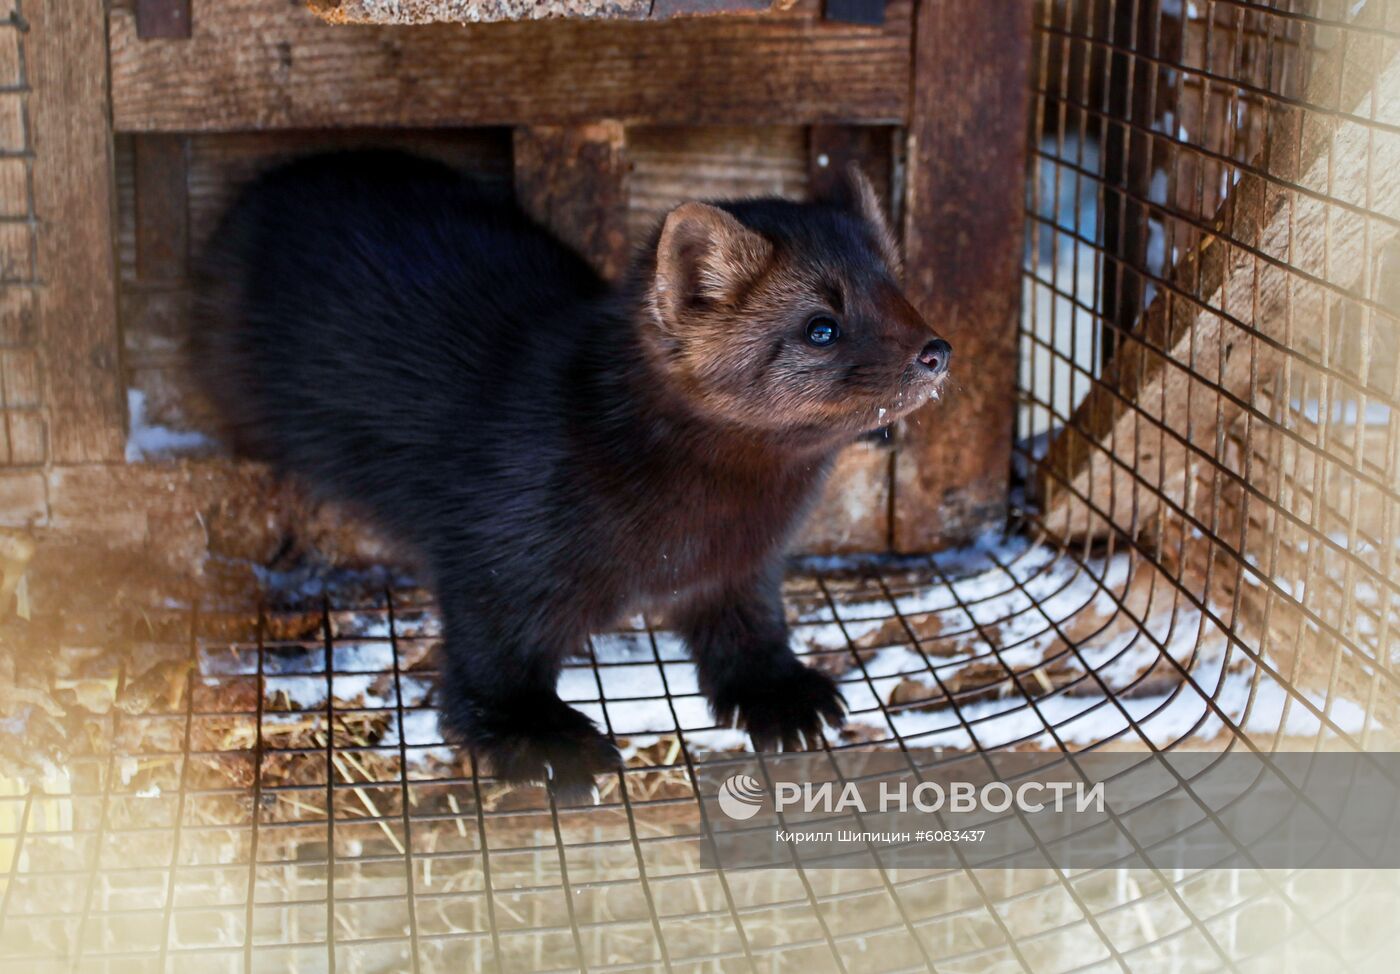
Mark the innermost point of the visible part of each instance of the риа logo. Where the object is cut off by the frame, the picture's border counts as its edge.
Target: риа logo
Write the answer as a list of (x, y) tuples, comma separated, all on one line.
[(740, 797)]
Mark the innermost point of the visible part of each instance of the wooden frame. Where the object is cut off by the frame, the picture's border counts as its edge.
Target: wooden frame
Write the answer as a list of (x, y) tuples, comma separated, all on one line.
[(570, 91)]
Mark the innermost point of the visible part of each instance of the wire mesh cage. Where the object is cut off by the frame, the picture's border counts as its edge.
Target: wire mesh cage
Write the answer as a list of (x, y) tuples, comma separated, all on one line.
[(1203, 556)]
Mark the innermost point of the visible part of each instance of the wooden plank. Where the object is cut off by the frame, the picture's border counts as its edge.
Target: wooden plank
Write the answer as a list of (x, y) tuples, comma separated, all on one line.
[(573, 179), (73, 193), (217, 508), (154, 303), (25, 429), (12, 121), (1123, 450), (491, 11), (23, 498), (16, 253), (11, 71), (853, 513), (964, 208), (162, 18), (831, 149), (17, 316), (14, 187), (664, 9), (161, 167), (263, 64), (672, 164)]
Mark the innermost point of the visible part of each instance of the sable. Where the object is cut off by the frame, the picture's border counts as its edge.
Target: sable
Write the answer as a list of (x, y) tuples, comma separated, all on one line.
[(560, 452)]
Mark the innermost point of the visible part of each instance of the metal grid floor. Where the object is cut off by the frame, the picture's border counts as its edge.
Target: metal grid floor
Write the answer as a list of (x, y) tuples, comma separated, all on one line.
[(197, 830)]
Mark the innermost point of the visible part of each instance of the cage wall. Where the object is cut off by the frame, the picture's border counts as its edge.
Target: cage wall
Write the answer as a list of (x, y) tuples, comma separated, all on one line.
[(596, 126), (1209, 347), (1201, 555)]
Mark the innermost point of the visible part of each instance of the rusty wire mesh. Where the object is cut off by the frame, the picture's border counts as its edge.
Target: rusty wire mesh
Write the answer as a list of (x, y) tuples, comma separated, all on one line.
[(1203, 555)]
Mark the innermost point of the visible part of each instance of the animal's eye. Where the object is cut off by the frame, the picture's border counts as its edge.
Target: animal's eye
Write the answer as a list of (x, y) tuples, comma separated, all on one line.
[(823, 330)]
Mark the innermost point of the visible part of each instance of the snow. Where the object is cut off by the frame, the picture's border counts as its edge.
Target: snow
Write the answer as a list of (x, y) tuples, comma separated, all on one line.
[(1343, 411), (363, 657), (297, 692), (1007, 603), (1059, 588), (146, 441)]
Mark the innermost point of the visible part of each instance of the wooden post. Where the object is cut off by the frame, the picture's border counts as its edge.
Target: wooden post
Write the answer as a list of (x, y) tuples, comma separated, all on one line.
[(963, 228), (860, 484), (831, 148), (573, 179), (162, 208), (265, 65), (73, 197)]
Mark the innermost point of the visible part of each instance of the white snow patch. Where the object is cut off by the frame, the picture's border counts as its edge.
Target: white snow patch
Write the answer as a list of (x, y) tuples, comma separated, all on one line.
[(145, 441)]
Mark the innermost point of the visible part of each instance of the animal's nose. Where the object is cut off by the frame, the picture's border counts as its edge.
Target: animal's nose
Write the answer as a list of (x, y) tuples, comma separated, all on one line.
[(936, 355)]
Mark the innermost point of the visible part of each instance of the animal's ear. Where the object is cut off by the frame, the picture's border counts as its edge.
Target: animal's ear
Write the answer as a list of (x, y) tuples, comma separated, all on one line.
[(866, 202), (704, 254)]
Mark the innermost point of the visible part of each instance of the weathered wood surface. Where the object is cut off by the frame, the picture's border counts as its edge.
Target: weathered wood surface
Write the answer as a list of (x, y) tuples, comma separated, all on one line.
[(22, 428), (832, 149), (573, 179), (404, 12), (162, 18), (675, 163), (181, 517), (263, 64), (665, 165), (1277, 261), (853, 514), (154, 295), (72, 173), (963, 225), (161, 172), (182, 513)]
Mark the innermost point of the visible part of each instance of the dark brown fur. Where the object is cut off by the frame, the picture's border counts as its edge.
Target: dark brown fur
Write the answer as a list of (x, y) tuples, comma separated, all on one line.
[(559, 452)]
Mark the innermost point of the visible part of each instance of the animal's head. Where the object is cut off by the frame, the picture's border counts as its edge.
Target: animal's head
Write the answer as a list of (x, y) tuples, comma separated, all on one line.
[(787, 317)]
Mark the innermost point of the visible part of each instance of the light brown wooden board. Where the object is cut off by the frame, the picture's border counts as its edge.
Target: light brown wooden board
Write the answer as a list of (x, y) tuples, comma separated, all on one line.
[(405, 12), (162, 18), (23, 432), (265, 64), (154, 306), (675, 163), (220, 508), (853, 512), (488, 11), (73, 194), (573, 179), (963, 229), (23, 498), (160, 167)]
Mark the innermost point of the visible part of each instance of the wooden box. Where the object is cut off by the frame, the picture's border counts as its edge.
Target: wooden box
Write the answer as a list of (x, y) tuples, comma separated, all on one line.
[(126, 130)]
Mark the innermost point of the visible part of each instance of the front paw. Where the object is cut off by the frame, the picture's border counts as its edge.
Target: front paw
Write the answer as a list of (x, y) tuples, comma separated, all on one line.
[(784, 711), (541, 740)]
